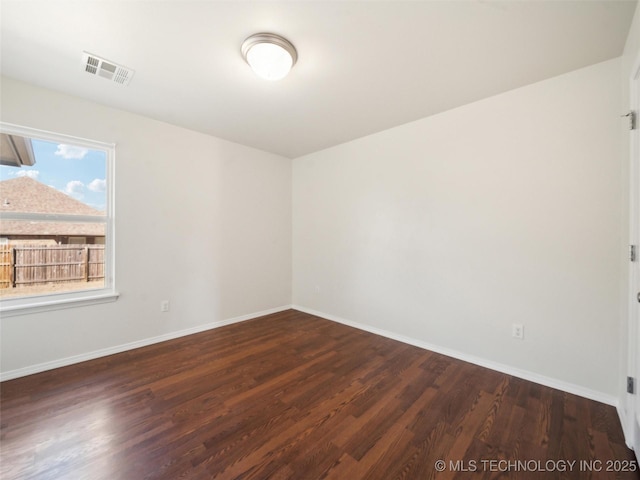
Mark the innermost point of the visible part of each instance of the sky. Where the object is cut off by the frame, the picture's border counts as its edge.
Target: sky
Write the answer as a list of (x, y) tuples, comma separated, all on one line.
[(77, 171)]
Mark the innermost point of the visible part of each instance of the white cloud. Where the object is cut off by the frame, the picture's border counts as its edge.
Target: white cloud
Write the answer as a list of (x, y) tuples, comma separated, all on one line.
[(28, 173), (97, 185), (75, 188), (71, 151)]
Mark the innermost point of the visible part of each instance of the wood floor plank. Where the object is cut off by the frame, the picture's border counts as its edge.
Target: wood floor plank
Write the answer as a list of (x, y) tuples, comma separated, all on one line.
[(295, 396)]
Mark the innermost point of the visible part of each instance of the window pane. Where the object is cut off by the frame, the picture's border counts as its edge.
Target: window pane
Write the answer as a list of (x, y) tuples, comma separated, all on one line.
[(43, 186)]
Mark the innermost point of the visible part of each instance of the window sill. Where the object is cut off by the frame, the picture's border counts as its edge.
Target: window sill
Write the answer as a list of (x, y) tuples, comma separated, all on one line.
[(27, 306)]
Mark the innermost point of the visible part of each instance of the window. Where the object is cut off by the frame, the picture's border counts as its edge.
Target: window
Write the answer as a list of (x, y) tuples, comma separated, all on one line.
[(56, 221)]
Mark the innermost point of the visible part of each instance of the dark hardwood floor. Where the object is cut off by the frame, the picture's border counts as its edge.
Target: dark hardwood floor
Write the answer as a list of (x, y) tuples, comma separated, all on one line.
[(293, 396)]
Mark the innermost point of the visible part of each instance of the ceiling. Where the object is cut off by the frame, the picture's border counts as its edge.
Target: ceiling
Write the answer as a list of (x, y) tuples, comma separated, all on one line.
[(363, 66)]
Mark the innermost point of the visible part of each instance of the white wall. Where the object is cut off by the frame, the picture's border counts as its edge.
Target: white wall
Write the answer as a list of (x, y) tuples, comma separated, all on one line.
[(449, 229), (446, 230), (200, 221)]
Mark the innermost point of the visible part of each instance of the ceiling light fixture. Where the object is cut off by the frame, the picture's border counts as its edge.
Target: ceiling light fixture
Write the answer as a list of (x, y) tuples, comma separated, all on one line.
[(270, 56)]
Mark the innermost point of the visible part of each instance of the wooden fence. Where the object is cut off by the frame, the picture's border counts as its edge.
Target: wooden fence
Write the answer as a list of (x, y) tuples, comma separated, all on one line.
[(29, 265)]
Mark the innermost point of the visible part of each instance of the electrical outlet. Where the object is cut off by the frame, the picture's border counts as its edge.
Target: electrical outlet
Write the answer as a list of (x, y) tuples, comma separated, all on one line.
[(164, 306), (517, 331)]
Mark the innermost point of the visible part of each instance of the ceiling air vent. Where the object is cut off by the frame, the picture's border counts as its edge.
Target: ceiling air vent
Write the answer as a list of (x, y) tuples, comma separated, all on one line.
[(106, 69)]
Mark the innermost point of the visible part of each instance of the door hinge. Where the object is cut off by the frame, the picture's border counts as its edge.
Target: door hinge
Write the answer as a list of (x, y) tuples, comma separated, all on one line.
[(631, 385), (632, 119), (632, 253)]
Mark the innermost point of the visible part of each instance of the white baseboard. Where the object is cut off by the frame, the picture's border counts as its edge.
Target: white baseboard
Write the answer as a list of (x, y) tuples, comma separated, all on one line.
[(507, 369), (490, 364), (63, 362)]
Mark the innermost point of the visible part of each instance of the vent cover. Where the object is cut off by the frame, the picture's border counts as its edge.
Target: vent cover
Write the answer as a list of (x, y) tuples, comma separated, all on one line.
[(106, 69)]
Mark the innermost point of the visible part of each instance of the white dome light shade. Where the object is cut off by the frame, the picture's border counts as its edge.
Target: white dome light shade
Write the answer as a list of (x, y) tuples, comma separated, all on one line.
[(269, 61), (270, 56)]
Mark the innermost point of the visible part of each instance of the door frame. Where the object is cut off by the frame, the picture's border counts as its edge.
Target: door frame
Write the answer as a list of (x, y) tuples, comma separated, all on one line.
[(632, 404)]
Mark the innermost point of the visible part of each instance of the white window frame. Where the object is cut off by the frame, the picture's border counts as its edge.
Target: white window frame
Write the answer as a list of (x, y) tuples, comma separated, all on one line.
[(56, 301)]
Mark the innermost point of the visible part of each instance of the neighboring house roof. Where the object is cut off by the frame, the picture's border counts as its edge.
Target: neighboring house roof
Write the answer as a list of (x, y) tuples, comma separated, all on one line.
[(23, 227), (26, 195)]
